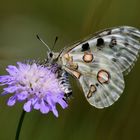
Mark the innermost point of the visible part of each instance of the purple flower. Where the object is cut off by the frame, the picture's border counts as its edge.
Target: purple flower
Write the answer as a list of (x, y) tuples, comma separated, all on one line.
[(35, 84)]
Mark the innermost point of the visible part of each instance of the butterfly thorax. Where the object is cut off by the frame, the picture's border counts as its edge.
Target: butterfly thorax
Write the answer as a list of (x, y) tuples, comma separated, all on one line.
[(55, 64)]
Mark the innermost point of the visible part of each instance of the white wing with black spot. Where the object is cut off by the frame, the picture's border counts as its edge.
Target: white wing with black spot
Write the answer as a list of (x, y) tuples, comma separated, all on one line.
[(100, 61), (101, 80), (120, 45)]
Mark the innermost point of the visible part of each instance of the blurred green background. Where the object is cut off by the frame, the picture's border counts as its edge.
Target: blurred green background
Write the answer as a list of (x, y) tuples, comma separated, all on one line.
[(70, 20)]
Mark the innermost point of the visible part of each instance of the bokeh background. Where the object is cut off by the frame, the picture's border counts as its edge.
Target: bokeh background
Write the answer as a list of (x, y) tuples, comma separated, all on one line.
[(70, 20)]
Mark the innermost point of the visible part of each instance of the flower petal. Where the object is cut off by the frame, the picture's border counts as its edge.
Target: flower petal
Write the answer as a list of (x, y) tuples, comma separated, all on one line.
[(27, 106), (22, 95), (12, 70), (11, 89), (55, 112), (11, 101), (44, 108), (6, 79), (37, 105), (50, 101), (62, 103), (4, 93)]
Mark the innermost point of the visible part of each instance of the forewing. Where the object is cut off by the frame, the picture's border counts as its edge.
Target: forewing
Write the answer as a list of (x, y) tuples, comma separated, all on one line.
[(120, 45)]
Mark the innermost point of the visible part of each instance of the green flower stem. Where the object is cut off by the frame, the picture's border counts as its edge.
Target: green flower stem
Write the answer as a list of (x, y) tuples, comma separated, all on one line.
[(20, 125)]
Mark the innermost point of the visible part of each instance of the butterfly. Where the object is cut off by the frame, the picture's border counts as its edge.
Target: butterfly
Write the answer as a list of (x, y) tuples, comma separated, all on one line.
[(99, 63)]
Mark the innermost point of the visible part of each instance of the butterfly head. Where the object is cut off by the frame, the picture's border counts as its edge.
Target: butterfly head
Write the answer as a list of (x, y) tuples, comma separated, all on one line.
[(52, 56)]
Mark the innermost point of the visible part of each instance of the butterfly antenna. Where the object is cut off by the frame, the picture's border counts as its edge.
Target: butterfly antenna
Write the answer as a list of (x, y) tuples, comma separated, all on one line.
[(56, 39), (43, 42)]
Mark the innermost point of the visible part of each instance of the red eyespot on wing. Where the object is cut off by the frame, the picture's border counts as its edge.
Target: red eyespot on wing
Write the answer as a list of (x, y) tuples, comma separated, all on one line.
[(103, 76)]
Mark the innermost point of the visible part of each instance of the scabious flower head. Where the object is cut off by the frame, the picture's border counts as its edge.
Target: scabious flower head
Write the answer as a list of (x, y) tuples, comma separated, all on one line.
[(35, 84)]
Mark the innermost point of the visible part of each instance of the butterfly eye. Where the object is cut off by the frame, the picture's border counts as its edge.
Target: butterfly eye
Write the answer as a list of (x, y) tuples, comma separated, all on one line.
[(51, 55)]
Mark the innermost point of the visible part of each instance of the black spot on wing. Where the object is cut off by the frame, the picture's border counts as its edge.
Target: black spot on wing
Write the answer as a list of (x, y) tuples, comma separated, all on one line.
[(85, 47), (113, 42), (109, 32), (100, 42), (126, 43), (97, 84), (114, 59)]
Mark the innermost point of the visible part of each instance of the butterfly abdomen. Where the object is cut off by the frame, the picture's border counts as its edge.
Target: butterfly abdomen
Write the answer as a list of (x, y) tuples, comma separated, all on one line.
[(64, 83)]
